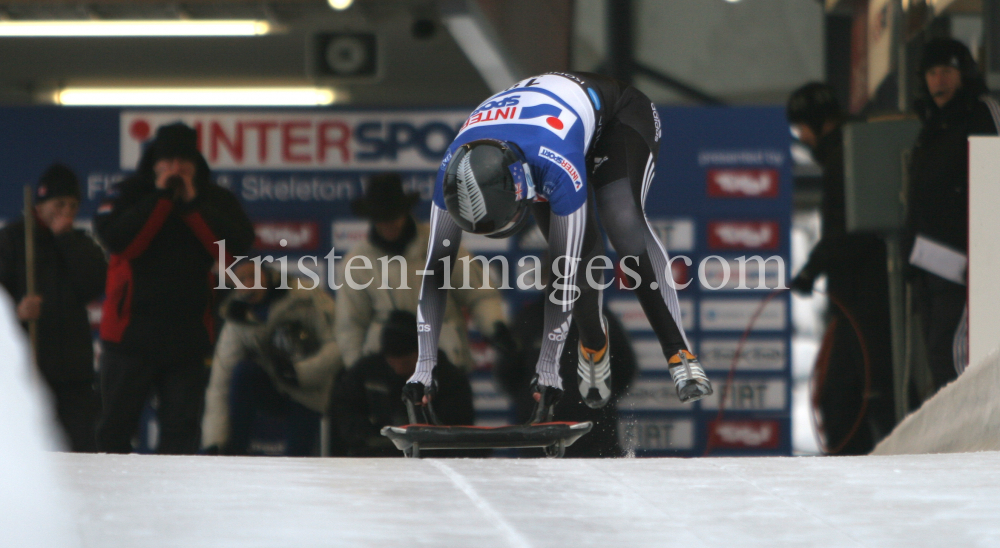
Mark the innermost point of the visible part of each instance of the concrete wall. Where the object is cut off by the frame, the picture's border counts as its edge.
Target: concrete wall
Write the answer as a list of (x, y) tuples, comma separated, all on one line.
[(752, 51), (984, 254)]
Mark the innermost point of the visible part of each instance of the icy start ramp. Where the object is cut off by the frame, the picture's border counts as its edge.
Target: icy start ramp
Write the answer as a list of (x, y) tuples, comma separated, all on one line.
[(905, 501), (963, 416)]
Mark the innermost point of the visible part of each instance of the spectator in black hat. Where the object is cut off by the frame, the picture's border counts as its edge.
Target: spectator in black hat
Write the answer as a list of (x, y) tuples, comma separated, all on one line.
[(362, 310), (370, 395), (69, 273), (953, 105), (156, 325), (856, 278)]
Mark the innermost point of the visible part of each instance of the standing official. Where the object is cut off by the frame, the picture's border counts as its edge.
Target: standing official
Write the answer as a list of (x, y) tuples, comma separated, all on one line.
[(856, 278), (363, 310), (953, 106), (69, 273)]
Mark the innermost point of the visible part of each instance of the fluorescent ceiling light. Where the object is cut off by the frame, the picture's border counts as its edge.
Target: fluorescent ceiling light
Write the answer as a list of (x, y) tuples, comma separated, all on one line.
[(227, 97), (218, 27)]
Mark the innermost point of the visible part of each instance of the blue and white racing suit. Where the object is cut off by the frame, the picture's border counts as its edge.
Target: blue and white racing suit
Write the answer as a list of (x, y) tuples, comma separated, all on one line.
[(591, 144)]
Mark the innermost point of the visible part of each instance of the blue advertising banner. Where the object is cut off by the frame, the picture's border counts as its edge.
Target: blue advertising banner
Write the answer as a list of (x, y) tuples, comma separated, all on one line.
[(722, 196), (720, 203)]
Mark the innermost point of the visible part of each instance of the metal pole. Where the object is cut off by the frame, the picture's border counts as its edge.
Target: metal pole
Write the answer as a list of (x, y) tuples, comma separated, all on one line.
[(991, 40), (902, 68), (620, 46), (29, 262), (897, 321), (893, 245), (324, 435)]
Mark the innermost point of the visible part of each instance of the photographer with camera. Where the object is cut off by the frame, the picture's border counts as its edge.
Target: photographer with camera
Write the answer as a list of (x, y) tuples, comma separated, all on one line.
[(276, 356), (156, 324)]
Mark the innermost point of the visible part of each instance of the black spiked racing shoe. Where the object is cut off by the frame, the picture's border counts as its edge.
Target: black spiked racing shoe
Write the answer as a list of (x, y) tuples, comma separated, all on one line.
[(413, 397), (546, 405), (689, 377)]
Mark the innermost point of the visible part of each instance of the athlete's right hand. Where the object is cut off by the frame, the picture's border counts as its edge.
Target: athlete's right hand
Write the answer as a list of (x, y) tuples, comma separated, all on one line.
[(416, 393)]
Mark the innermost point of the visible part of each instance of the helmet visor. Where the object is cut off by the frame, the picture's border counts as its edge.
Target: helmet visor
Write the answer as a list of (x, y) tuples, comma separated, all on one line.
[(515, 225)]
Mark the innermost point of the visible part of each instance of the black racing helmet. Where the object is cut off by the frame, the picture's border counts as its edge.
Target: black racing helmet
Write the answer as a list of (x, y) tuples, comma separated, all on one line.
[(487, 188)]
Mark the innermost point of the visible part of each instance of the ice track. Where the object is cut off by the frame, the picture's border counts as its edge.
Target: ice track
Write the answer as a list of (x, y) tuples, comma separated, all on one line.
[(905, 501)]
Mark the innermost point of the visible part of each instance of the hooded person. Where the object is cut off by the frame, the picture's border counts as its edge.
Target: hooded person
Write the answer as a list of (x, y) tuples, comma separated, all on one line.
[(953, 105), (855, 268), (69, 273), (157, 326), (392, 285)]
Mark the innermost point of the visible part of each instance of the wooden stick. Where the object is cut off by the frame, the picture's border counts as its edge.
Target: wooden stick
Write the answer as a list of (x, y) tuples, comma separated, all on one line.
[(29, 261)]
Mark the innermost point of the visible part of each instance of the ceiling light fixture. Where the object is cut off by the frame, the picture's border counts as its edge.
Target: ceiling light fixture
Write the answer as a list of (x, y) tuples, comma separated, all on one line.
[(220, 97), (340, 5), (205, 27)]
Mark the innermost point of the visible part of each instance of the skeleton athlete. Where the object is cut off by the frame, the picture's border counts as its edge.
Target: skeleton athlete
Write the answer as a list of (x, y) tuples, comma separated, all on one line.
[(569, 147)]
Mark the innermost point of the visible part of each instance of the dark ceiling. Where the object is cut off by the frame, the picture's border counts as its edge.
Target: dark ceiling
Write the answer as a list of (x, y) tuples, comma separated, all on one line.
[(418, 62)]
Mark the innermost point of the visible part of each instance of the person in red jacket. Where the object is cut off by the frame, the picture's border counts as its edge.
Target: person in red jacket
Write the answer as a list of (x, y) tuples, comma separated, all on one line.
[(157, 322)]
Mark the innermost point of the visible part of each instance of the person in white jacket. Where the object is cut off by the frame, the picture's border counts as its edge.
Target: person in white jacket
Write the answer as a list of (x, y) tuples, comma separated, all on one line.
[(277, 354), (361, 313)]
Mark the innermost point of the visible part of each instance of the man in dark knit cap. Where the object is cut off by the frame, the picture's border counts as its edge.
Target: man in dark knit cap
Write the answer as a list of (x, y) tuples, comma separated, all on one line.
[(953, 105), (369, 395), (69, 273), (156, 326), (370, 295)]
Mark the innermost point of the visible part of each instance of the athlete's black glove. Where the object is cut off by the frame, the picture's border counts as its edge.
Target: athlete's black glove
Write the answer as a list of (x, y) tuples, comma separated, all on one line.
[(413, 397)]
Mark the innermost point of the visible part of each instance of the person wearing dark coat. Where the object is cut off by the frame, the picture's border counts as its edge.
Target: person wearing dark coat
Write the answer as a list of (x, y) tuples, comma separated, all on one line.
[(514, 370), (856, 279), (953, 105), (157, 322), (69, 273), (369, 395)]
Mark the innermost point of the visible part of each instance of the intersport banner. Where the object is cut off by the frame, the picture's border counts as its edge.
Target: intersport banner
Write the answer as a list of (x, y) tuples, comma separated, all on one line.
[(293, 141), (721, 196)]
